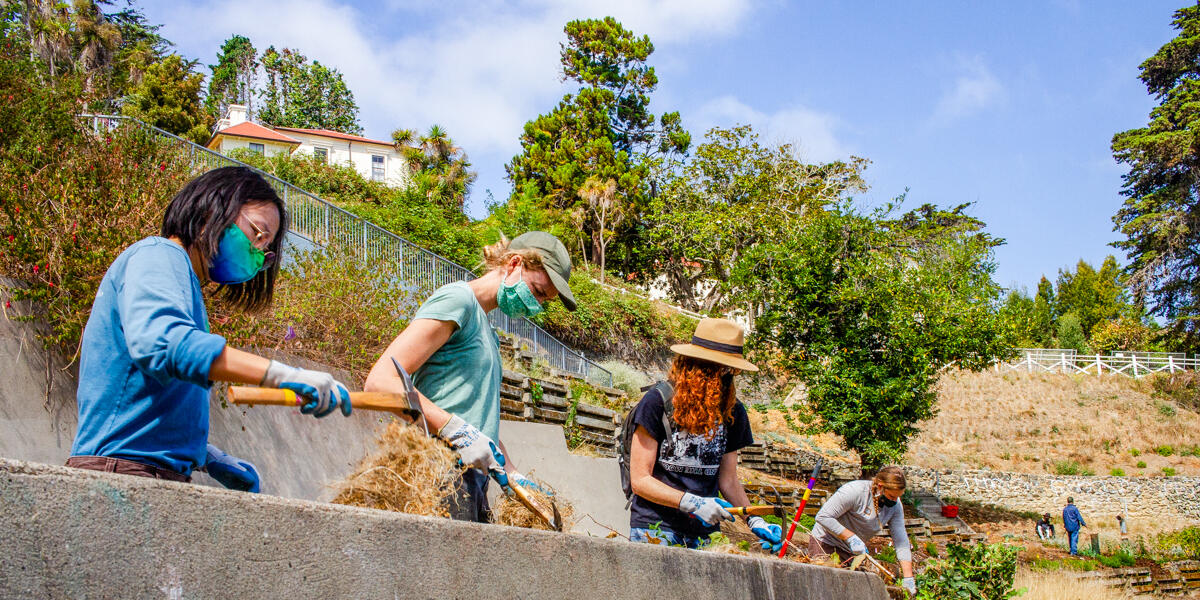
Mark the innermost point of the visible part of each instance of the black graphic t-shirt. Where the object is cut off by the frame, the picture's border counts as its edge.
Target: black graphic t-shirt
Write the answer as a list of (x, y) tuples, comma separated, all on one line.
[(687, 462)]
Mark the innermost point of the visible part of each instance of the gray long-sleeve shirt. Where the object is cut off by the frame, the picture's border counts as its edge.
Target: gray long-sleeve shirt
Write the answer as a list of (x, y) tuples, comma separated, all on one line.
[(853, 507)]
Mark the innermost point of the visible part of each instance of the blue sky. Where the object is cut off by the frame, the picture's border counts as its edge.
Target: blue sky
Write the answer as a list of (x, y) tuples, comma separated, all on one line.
[(1010, 105)]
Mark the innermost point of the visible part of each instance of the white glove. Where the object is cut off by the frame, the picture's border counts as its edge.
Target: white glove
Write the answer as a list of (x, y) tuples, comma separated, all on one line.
[(909, 584), (856, 545), (322, 391), (709, 510), (474, 449)]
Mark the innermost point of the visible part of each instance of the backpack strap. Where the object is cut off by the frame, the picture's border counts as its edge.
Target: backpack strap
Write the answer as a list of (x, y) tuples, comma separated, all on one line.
[(667, 391)]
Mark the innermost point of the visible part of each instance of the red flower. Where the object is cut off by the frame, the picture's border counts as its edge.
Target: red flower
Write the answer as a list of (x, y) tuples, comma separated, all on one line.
[(162, 166), (8, 304), (10, 237), (35, 269), (50, 283)]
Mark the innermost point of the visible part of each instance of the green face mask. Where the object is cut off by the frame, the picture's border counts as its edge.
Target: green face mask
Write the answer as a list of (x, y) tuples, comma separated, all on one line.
[(517, 300)]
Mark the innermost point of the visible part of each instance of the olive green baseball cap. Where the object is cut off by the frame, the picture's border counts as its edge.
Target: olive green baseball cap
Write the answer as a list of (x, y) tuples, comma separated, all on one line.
[(555, 258)]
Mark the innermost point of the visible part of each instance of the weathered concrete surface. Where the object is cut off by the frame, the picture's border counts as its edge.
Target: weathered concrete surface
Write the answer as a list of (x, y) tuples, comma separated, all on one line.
[(593, 485), (80, 534)]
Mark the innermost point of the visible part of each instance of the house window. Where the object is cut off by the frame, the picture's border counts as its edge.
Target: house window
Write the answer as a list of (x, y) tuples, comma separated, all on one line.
[(322, 154), (377, 172), (256, 148)]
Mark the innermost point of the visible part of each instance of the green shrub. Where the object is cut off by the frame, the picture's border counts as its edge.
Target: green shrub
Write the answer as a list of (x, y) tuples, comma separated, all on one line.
[(1165, 409), (1120, 559), (1164, 450), (1182, 387), (70, 202), (931, 549), (626, 377), (887, 554), (1141, 464), (1134, 452), (982, 571), (1168, 471), (1067, 467), (614, 324), (342, 311), (1192, 451), (1182, 544), (1117, 472)]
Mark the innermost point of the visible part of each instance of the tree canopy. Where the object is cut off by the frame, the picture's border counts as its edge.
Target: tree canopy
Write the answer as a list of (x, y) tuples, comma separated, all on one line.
[(1160, 218), (298, 93), (233, 77)]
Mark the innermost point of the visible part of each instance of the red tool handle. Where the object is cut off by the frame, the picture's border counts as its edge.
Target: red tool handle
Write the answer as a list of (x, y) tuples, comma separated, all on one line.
[(812, 481)]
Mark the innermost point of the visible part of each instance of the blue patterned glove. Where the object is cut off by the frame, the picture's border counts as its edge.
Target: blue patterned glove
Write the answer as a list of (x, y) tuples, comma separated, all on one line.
[(770, 535), (230, 471), (322, 391)]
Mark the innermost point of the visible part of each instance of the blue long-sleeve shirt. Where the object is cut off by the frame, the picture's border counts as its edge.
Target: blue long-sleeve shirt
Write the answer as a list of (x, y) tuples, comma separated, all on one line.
[(144, 362), (1072, 520)]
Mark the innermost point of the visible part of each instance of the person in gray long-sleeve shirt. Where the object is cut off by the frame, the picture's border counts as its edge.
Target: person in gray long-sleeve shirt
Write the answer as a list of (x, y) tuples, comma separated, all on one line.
[(856, 512)]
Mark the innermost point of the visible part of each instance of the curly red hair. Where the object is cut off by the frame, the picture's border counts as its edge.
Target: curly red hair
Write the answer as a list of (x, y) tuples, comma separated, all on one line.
[(704, 394)]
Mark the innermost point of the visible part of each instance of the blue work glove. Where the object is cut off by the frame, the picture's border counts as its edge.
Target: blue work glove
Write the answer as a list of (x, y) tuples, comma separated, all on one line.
[(230, 471), (856, 545), (527, 483), (474, 449), (323, 392), (770, 535), (909, 584), (710, 510)]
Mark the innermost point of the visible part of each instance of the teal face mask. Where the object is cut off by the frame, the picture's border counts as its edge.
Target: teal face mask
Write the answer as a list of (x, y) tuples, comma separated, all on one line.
[(237, 260), (517, 300)]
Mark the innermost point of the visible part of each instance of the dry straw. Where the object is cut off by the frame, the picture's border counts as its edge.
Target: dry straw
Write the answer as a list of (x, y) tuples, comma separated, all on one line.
[(409, 473), (509, 511)]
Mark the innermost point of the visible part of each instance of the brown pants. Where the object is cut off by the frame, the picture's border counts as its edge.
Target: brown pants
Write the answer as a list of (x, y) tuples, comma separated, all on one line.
[(817, 549), (124, 467)]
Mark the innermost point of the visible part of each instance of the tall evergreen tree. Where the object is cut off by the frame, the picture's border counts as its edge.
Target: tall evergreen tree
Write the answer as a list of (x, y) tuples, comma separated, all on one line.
[(1161, 214), (603, 131), (168, 97), (307, 95), (233, 77)]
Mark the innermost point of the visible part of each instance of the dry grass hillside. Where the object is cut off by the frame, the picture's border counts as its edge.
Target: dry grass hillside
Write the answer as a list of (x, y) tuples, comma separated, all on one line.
[(1055, 423), (1030, 423)]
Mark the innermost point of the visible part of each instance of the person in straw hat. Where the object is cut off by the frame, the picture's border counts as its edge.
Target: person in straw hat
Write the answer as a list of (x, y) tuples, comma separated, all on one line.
[(679, 465)]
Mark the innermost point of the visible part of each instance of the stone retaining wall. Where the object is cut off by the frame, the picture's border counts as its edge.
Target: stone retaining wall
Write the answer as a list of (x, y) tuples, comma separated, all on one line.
[(1147, 498)]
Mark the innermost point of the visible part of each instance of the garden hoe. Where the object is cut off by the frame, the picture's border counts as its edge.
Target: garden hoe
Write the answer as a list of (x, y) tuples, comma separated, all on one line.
[(393, 403), (812, 481), (758, 510)]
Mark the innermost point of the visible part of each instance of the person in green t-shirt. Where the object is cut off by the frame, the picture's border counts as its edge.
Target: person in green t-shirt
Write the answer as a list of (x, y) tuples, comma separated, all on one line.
[(454, 356)]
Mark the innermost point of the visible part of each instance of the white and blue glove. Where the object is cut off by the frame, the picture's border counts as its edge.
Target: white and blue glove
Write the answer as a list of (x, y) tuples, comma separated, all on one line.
[(710, 510), (909, 584), (474, 449), (230, 471), (856, 544), (771, 536), (322, 391)]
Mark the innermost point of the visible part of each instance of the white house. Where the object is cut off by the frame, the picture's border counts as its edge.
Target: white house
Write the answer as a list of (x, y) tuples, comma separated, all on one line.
[(374, 159)]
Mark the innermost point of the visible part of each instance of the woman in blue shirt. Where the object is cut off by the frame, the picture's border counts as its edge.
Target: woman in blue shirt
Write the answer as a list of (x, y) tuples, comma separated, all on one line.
[(147, 357)]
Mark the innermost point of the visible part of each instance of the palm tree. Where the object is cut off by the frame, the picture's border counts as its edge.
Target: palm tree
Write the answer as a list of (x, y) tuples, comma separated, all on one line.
[(48, 24), (441, 170), (97, 40)]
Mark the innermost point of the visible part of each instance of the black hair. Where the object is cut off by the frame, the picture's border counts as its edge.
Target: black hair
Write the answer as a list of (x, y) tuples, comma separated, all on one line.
[(201, 212)]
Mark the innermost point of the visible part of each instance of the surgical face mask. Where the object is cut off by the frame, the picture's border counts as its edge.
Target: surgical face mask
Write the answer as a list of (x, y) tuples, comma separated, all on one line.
[(237, 260), (517, 300), (885, 501)]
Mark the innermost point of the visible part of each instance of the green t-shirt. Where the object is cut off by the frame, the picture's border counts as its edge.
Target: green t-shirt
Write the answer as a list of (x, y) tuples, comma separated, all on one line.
[(463, 376)]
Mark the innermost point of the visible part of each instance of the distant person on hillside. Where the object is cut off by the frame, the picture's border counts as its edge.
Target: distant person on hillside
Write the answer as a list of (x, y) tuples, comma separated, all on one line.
[(684, 449), (855, 512), (1045, 528), (1072, 521), (454, 356), (1121, 524), (147, 358)]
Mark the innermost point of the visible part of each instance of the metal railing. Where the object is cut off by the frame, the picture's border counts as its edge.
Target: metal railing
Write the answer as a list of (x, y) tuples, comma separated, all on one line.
[(1127, 363), (324, 224)]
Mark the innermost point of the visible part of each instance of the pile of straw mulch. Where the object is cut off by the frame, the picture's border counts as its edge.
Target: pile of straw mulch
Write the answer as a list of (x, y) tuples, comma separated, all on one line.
[(409, 473)]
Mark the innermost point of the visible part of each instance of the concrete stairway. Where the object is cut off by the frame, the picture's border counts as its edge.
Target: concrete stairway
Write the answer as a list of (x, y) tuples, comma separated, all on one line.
[(930, 507)]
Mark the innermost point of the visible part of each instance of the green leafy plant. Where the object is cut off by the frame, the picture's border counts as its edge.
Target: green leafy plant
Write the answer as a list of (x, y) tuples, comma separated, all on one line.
[(1141, 464), (887, 554), (931, 549), (1135, 452), (535, 392), (1117, 472), (1164, 450), (1168, 471), (1067, 467), (982, 572)]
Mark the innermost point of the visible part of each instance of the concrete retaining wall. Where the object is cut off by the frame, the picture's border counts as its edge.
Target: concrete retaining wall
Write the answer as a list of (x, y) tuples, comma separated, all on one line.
[(1149, 499), (79, 534)]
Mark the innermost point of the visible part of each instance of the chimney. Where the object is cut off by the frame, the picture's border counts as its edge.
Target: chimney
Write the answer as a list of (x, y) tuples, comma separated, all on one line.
[(237, 114)]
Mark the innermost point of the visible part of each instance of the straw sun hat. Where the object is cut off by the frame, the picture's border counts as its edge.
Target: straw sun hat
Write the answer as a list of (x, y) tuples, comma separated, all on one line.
[(719, 341)]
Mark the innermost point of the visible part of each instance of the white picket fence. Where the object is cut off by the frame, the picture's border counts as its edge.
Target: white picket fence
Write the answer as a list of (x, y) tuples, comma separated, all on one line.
[(1129, 364)]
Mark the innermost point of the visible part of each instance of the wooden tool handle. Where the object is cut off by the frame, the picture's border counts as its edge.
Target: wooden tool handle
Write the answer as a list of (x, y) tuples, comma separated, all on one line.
[(394, 403), (753, 511)]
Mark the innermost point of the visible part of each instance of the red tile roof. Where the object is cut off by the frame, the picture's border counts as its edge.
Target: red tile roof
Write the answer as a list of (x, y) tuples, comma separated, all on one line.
[(256, 131), (334, 134)]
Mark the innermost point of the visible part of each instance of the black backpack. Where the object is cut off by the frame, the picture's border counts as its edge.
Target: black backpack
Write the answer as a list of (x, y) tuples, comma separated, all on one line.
[(628, 427)]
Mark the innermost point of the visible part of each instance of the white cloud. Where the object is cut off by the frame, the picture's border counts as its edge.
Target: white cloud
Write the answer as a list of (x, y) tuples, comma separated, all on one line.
[(481, 71), (974, 90), (811, 132)]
